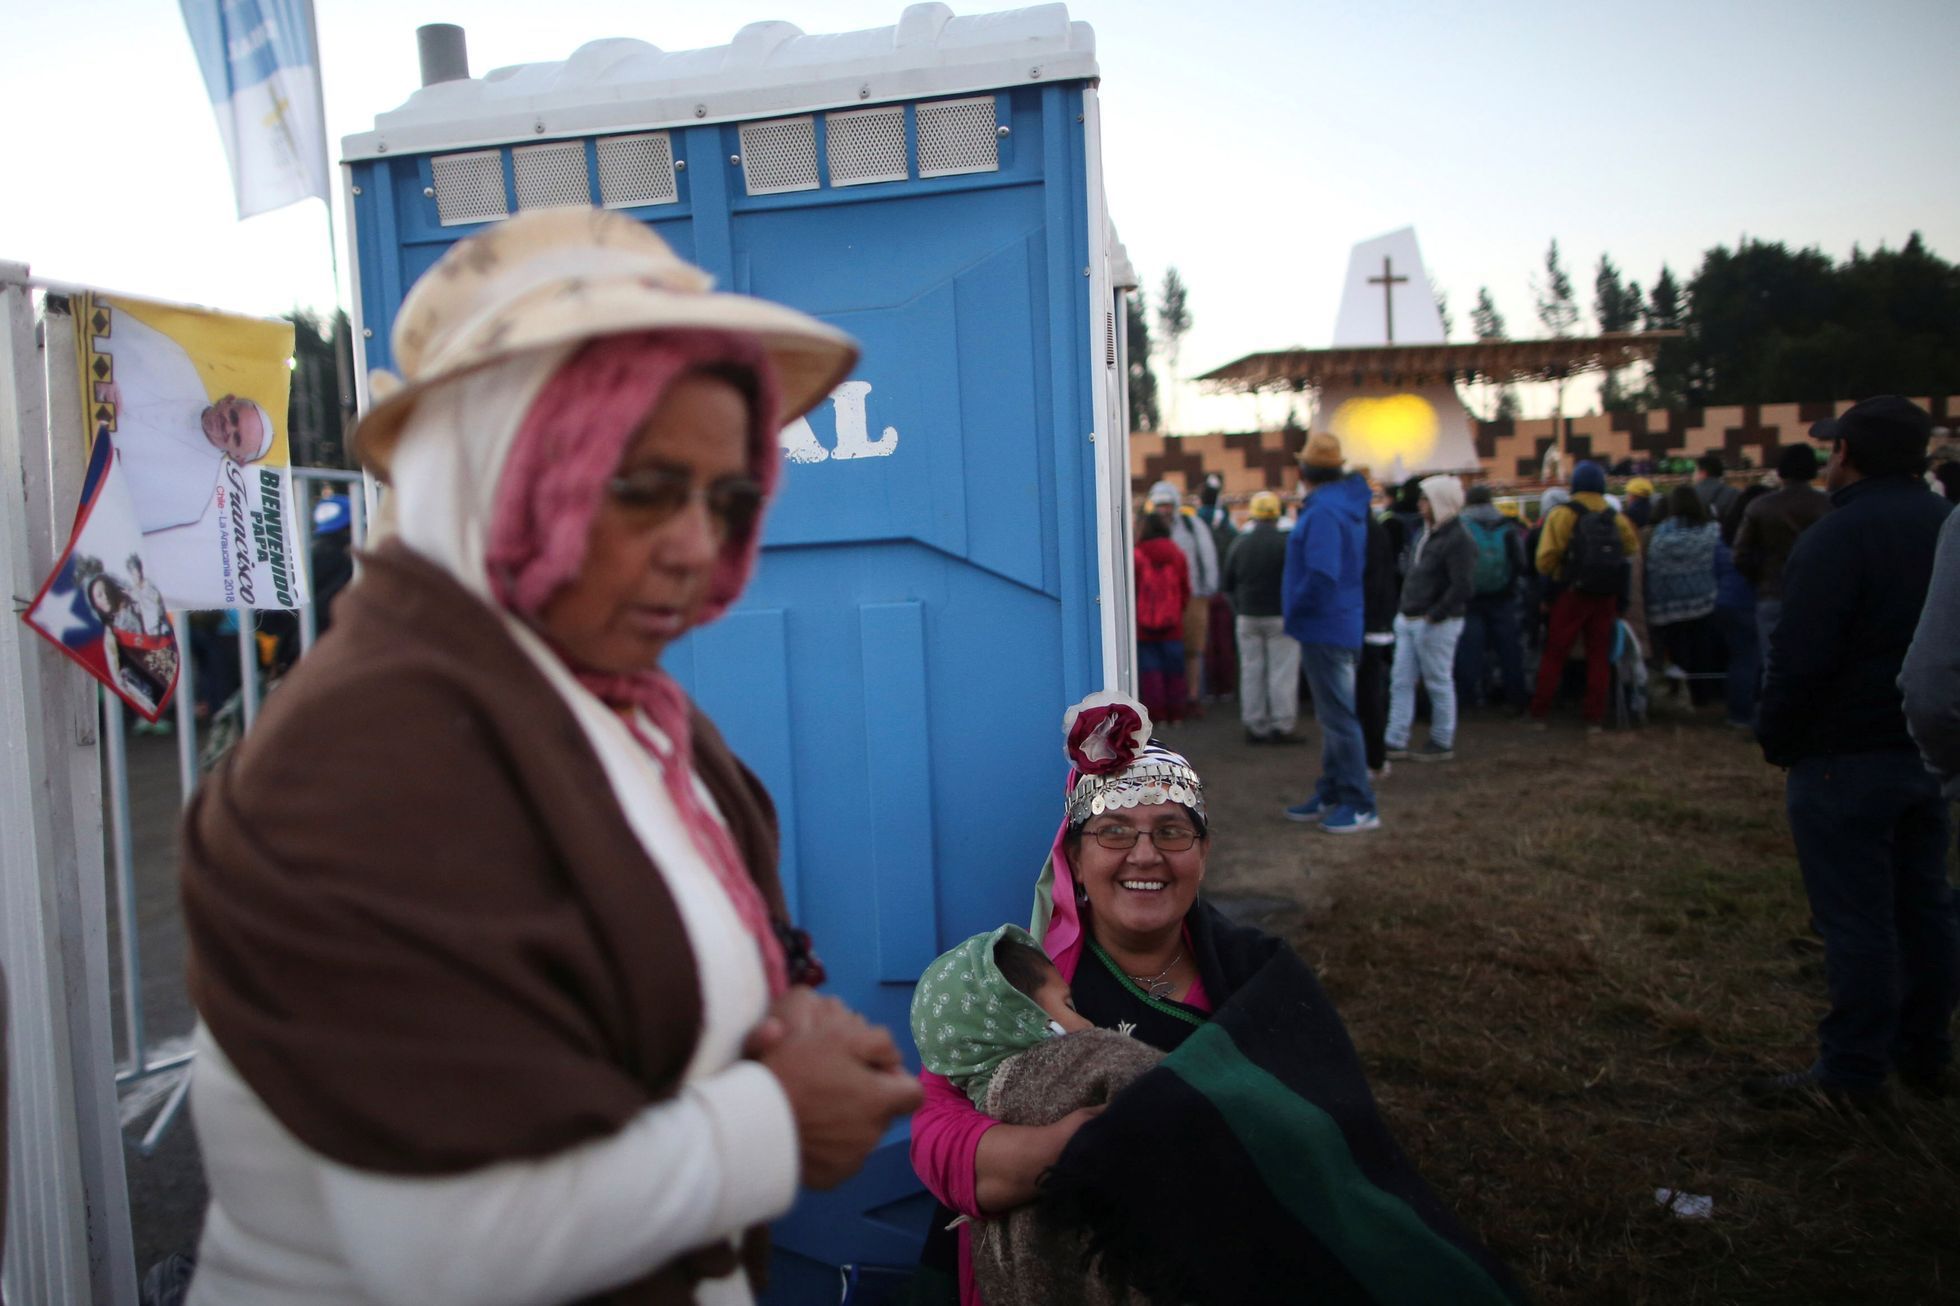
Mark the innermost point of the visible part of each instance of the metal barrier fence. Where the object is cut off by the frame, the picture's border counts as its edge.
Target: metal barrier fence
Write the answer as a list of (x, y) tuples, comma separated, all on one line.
[(70, 845), (137, 1060)]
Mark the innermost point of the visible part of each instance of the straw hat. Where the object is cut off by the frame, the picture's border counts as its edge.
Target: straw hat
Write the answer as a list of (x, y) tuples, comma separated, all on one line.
[(1323, 450), (1265, 506), (559, 276)]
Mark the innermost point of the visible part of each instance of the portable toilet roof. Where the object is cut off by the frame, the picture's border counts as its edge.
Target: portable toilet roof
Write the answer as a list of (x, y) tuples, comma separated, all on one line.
[(769, 68)]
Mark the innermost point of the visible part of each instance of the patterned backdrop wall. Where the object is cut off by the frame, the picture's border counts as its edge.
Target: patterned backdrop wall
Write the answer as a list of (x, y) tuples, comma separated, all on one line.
[(1510, 452)]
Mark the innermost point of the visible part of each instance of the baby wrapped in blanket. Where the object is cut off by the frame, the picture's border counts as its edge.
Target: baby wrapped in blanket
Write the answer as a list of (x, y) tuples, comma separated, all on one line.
[(995, 1016)]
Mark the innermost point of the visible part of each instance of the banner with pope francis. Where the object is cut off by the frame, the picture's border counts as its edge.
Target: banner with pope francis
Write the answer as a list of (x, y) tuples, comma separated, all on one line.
[(195, 404), (100, 607)]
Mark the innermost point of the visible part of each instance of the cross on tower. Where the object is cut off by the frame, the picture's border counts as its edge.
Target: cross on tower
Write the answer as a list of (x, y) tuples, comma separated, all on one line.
[(1388, 281)]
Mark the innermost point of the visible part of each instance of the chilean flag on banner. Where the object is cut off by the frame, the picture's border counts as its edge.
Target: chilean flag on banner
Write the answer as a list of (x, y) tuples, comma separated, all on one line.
[(100, 607), (262, 68)]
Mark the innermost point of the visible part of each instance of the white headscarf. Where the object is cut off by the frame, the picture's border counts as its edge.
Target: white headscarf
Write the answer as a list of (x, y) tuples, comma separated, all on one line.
[(443, 481)]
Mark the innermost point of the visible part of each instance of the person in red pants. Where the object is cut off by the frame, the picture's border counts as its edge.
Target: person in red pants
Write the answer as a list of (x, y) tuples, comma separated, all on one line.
[(1586, 550)]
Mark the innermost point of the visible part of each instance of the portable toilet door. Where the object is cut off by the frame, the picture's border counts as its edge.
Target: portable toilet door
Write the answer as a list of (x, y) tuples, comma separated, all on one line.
[(931, 593)]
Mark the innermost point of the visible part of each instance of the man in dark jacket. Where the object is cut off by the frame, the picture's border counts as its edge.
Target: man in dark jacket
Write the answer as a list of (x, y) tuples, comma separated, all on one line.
[(1380, 588), (1435, 596), (1492, 619), (1716, 494), (1269, 658), (1870, 826), (1769, 530), (1321, 595)]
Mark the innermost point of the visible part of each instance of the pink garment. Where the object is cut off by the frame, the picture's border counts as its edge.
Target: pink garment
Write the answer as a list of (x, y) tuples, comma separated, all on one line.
[(549, 492), (947, 1127)]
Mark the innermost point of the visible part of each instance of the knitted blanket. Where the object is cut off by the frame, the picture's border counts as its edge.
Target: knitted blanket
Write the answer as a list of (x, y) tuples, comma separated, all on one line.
[(1681, 572), (1251, 1166), (1026, 1257)]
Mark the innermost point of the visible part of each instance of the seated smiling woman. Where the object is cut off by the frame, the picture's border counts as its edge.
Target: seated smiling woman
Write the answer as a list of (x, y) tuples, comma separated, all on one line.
[(498, 998), (1251, 1164)]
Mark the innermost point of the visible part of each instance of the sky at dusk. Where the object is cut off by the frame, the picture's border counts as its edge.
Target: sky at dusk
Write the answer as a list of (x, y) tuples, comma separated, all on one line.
[(1250, 147)]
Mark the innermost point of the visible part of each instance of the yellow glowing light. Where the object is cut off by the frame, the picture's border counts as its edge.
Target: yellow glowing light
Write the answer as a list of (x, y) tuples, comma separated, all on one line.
[(1380, 430)]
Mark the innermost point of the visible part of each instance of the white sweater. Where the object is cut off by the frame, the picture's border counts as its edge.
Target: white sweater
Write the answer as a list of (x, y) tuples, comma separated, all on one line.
[(288, 1227)]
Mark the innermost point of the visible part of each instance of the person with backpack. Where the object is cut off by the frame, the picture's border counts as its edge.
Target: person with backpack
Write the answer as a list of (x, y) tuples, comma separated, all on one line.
[(1492, 618), (1163, 588), (1434, 598), (1586, 550)]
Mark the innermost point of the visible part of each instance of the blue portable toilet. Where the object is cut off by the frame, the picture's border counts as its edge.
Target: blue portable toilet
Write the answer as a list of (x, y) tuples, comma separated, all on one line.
[(947, 566)]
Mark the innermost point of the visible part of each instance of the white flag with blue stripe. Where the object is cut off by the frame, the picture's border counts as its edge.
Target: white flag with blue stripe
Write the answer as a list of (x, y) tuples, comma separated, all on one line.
[(263, 71)]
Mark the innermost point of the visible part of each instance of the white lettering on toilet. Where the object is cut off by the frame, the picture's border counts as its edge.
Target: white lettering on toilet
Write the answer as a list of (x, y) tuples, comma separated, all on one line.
[(799, 440)]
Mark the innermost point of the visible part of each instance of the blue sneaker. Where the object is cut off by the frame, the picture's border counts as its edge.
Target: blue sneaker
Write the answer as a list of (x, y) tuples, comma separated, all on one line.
[(1349, 819), (1312, 811)]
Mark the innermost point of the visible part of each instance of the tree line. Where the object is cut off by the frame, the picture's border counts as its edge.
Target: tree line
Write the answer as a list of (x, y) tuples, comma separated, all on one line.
[(1762, 323)]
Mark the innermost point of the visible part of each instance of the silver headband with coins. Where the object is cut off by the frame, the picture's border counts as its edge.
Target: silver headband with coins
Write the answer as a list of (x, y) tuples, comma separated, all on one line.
[(1156, 776)]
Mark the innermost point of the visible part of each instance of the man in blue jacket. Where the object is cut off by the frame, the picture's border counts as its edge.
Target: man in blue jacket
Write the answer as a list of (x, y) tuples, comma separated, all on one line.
[(1870, 826), (1322, 599)]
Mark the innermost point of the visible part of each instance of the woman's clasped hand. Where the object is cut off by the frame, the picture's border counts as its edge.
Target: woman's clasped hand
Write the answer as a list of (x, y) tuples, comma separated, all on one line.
[(843, 1076)]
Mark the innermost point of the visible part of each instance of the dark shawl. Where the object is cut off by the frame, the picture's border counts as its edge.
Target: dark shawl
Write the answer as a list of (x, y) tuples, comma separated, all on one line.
[(421, 927), (1252, 1165)]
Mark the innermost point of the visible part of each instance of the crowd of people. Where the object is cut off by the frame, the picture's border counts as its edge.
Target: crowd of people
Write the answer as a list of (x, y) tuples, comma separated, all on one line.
[(1818, 620)]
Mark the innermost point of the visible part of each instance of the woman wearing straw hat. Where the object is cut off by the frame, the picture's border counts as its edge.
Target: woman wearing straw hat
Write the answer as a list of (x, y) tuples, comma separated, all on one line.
[(498, 998)]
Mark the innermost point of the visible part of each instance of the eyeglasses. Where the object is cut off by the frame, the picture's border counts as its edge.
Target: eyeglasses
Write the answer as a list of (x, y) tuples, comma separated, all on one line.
[(1168, 838), (653, 496)]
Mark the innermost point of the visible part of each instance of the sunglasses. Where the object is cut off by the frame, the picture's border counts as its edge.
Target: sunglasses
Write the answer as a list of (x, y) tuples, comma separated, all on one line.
[(653, 496)]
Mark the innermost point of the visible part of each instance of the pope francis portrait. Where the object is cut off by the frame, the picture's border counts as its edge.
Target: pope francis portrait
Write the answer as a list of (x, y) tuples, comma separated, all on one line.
[(172, 438)]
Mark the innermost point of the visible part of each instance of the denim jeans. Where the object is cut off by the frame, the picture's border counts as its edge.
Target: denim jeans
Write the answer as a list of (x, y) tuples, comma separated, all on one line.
[(1871, 831), (1428, 649), (1768, 613), (1737, 626), (1343, 755), (1491, 620)]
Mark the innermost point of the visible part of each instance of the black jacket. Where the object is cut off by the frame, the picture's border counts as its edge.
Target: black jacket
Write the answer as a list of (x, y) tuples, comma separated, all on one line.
[(1254, 567), (1852, 593), (1439, 584)]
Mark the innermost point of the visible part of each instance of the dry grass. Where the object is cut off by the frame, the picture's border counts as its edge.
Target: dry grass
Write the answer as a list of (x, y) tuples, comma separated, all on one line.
[(1558, 958)]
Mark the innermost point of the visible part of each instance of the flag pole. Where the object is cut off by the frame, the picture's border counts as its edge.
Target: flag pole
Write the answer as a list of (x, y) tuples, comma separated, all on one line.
[(341, 320)]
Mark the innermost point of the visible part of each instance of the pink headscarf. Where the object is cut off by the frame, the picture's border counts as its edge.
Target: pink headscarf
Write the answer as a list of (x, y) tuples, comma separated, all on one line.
[(571, 440)]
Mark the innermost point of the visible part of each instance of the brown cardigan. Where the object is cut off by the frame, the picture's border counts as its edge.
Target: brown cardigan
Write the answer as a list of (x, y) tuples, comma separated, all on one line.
[(421, 927)]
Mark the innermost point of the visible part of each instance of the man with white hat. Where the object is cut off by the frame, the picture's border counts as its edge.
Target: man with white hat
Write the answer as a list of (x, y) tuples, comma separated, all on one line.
[(1201, 554)]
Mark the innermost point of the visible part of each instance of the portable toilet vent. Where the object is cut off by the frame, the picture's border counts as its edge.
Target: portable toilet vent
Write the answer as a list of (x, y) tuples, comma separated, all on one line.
[(947, 565)]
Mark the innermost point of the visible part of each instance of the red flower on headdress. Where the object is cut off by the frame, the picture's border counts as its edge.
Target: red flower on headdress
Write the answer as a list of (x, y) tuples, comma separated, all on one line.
[(1104, 733)]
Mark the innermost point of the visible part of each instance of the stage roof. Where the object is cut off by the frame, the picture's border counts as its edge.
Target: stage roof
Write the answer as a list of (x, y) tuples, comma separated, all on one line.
[(1498, 362)]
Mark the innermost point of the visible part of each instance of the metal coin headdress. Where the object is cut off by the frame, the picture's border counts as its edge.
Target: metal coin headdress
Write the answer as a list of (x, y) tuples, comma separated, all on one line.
[(1118, 766)]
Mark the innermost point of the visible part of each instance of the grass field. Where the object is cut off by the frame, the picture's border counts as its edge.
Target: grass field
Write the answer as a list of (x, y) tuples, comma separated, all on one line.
[(1557, 959)]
